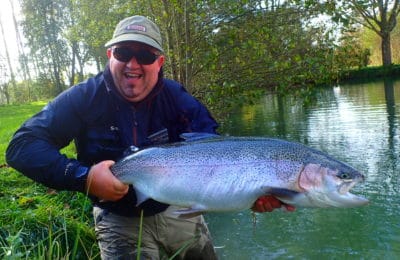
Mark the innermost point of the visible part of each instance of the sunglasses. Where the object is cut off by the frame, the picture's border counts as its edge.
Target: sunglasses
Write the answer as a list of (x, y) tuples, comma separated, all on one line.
[(125, 54)]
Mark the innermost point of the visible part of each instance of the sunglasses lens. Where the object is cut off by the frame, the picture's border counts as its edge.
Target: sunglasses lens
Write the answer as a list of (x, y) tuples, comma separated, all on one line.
[(143, 57), (122, 54)]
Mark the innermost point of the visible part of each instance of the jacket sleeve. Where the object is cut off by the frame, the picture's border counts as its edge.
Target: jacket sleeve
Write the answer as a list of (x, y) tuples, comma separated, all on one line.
[(35, 148)]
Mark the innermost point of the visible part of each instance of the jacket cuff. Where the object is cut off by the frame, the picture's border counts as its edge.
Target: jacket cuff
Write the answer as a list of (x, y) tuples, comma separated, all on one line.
[(79, 173)]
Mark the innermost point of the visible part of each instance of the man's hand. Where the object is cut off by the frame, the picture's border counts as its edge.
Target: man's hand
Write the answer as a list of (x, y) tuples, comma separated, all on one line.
[(103, 184), (269, 203)]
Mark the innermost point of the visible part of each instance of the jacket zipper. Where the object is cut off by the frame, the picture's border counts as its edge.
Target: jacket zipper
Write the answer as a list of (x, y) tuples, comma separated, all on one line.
[(135, 125)]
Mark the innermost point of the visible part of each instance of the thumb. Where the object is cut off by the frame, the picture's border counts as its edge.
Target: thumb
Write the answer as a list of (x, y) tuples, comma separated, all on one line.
[(108, 163), (119, 186)]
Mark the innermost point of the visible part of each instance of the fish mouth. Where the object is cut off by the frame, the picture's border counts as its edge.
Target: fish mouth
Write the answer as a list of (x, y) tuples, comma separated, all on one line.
[(346, 186), (346, 197), (349, 200)]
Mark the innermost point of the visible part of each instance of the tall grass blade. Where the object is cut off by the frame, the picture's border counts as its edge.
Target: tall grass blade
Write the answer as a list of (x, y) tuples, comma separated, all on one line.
[(139, 245)]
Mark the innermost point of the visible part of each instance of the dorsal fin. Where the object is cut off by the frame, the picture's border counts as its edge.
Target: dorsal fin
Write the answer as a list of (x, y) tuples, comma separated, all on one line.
[(196, 136), (130, 150)]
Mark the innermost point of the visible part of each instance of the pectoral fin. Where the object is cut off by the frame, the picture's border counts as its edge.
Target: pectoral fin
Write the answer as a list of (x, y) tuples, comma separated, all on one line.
[(283, 195)]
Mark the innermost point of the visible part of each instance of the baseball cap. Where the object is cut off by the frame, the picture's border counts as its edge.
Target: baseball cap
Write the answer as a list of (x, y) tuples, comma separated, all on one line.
[(139, 29)]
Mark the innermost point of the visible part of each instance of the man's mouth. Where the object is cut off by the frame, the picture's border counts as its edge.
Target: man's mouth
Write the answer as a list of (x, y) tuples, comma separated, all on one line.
[(133, 75)]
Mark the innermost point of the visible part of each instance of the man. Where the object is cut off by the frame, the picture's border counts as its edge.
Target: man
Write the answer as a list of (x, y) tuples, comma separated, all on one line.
[(129, 104)]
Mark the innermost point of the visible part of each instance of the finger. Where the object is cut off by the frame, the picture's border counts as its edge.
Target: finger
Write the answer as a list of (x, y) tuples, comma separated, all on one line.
[(258, 206), (274, 202), (263, 205), (267, 206), (119, 186), (290, 208), (108, 163)]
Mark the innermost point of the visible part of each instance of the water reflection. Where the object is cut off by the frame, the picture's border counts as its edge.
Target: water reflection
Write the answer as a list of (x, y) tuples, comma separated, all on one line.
[(392, 120), (358, 124)]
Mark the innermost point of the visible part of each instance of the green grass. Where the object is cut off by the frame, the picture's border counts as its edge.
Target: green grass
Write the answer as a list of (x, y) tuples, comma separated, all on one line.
[(35, 222), (11, 117)]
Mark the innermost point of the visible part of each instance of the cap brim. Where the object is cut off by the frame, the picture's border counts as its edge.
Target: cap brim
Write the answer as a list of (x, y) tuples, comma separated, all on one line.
[(136, 38)]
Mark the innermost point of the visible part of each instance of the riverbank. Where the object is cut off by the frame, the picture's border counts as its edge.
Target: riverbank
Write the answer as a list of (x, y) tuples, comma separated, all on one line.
[(370, 73)]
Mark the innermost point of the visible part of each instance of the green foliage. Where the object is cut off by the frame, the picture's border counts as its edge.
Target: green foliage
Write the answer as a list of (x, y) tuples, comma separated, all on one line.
[(351, 54), (218, 49), (255, 47), (43, 24), (377, 16), (368, 39)]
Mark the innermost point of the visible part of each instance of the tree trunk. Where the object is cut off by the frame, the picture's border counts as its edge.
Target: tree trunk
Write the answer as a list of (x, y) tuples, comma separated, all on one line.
[(23, 58), (386, 49), (4, 85), (74, 54), (170, 46), (188, 51), (9, 62)]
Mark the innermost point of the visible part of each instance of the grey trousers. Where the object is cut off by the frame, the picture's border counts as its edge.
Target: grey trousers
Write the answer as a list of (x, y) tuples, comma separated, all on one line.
[(163, 236)]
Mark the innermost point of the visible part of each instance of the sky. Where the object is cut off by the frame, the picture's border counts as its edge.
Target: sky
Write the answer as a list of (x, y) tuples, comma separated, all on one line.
[(9, 31)]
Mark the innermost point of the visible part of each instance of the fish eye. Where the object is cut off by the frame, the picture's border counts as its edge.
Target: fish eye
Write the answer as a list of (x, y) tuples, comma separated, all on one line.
[(344, 175)]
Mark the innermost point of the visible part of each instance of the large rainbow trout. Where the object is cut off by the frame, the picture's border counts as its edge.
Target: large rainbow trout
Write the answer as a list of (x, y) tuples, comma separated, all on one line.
[(230, 173)]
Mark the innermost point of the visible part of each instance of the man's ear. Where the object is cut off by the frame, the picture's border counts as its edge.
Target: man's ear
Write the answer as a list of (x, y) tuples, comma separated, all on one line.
[(109, 53), (161, 60)]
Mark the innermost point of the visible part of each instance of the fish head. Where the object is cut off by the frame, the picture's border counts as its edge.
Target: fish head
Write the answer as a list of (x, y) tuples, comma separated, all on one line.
[(325, 186)]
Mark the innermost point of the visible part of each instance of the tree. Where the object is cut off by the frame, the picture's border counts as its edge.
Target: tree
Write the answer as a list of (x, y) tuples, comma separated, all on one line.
[(215, 48), (379, 16), (93, 24), (23, 58), (256, 45), (4, 82), (43, 24)]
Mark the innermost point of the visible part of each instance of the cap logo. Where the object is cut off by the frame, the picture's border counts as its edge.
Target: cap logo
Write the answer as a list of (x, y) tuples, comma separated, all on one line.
[(135, 27)]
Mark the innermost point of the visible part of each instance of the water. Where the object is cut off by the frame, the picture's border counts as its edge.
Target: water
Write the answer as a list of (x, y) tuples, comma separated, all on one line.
[(358, 124)]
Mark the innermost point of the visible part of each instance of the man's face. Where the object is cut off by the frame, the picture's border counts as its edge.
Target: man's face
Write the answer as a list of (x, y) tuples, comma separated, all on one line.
[(133, 80)]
